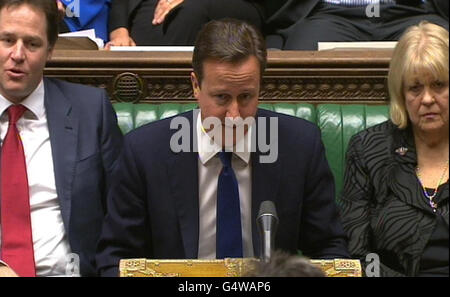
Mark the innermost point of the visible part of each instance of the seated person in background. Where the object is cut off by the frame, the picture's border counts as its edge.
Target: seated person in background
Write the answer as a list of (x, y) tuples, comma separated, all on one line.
[(202, 201), (283, 264), (300, 25), (85, 14), (173, 22), (59, 142), (395, 198)]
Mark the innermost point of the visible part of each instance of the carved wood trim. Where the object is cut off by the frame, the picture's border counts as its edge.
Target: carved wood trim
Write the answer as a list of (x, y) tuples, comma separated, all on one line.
[(317, 77)]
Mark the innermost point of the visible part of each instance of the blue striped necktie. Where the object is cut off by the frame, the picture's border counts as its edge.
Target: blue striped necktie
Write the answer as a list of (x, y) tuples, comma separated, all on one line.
[(228, 232)]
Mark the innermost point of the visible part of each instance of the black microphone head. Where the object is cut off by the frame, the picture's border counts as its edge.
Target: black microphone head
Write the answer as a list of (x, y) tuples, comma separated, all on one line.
[(267, 208)]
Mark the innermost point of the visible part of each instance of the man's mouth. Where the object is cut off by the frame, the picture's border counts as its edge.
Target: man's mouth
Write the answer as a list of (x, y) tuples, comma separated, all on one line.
[(15, 73)]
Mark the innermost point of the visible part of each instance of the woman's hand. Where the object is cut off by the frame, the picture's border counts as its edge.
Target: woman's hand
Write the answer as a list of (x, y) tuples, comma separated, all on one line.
[(119, 37), (163, 8)]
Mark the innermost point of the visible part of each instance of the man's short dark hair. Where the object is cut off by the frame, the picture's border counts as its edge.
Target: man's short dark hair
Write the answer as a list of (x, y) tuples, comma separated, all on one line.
[(48, 7), (228, 40), (283, 264)]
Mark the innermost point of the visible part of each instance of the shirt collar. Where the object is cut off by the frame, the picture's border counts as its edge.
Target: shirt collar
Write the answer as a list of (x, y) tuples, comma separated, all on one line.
[(34, 102), (207, 148)]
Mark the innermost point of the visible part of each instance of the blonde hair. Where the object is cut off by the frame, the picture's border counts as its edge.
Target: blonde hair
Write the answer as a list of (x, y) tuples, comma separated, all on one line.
[(422, 50)]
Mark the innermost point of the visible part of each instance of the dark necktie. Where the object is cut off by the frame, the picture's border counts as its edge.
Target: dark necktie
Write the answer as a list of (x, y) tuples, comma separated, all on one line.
[(17, 241), (228, 232)]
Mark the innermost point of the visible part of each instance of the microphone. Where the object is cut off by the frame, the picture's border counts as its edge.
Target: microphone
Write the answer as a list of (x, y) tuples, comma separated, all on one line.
[(267, 222)]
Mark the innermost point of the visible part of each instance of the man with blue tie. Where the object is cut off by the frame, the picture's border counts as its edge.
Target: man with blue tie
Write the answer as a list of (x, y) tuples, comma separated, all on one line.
[(202, 201), (59, 142)]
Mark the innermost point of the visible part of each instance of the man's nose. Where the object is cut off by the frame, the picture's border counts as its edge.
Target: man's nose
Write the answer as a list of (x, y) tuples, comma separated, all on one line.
[(18, 52), (233, 109)]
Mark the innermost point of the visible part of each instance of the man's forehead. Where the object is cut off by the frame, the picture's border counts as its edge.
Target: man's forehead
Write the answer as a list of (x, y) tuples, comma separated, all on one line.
[(244, 70), (8, 28), (231, 63), (23, 9)]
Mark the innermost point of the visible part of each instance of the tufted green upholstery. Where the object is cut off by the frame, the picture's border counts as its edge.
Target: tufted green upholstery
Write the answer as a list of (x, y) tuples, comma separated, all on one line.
[(337, 122)]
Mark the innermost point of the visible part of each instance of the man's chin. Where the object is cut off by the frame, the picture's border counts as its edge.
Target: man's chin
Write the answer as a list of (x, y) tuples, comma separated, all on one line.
[(15, 94)]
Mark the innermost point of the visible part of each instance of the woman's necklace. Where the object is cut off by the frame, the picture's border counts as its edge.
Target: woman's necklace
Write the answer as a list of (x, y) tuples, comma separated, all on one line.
[(431, 197)]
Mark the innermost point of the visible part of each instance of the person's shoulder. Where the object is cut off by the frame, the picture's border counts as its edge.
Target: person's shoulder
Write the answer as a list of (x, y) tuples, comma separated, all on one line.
[(382, 129), (373, 138), (292, 133), (85, 100), (72, 89), (288, 121), (161, 127), (153, 139)]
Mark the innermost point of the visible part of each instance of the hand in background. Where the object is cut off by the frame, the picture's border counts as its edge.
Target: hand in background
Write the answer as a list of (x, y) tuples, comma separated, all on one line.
[(163, 8), (120, 37), (61, 9)]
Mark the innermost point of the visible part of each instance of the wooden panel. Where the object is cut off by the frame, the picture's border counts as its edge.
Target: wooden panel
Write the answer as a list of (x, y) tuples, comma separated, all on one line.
[(340, 76)]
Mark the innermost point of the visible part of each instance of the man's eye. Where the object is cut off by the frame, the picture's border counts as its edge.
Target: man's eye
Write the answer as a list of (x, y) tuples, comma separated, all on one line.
[(7, 40), (221, 97), (33, 44), (246, 96)]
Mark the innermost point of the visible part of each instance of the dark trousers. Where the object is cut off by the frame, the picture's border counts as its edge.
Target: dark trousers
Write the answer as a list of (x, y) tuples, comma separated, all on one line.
[(184, 22), (334, 23)]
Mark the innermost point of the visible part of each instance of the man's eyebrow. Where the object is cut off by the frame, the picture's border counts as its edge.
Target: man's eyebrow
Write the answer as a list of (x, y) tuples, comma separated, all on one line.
[(6, 33), (26, 37), (32, 38)]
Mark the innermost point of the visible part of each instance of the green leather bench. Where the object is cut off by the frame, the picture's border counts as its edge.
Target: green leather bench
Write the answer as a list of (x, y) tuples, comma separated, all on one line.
[(337, 122)]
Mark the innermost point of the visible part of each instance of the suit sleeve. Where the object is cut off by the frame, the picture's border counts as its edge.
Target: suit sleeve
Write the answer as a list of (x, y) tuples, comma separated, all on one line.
[(441, 7), (125, 232), (111, 138), (118, 15), (321, 234), (356, 203)]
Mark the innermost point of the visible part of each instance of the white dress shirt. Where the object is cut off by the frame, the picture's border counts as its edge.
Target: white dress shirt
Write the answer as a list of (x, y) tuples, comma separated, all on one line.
[(50, 243), (209, 167)]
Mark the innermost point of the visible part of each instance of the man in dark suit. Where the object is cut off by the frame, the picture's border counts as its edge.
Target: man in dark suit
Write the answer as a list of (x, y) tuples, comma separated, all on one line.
[(59, 144), (301, 24), (195, 193)]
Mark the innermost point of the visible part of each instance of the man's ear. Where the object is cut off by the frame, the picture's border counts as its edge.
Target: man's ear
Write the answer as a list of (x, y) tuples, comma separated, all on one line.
[(50, 53), (195, 84)]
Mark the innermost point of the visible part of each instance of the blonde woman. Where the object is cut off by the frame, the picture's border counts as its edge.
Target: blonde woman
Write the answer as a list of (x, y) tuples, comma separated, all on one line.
[(395, 198)]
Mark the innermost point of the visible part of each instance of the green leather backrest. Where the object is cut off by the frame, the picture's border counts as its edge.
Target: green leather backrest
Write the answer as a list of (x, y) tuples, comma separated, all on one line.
[(337, 122)]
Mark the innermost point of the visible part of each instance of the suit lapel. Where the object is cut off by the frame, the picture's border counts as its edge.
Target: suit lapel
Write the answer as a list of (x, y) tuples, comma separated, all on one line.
[(63, 128), (183, 179), (265, 183)]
